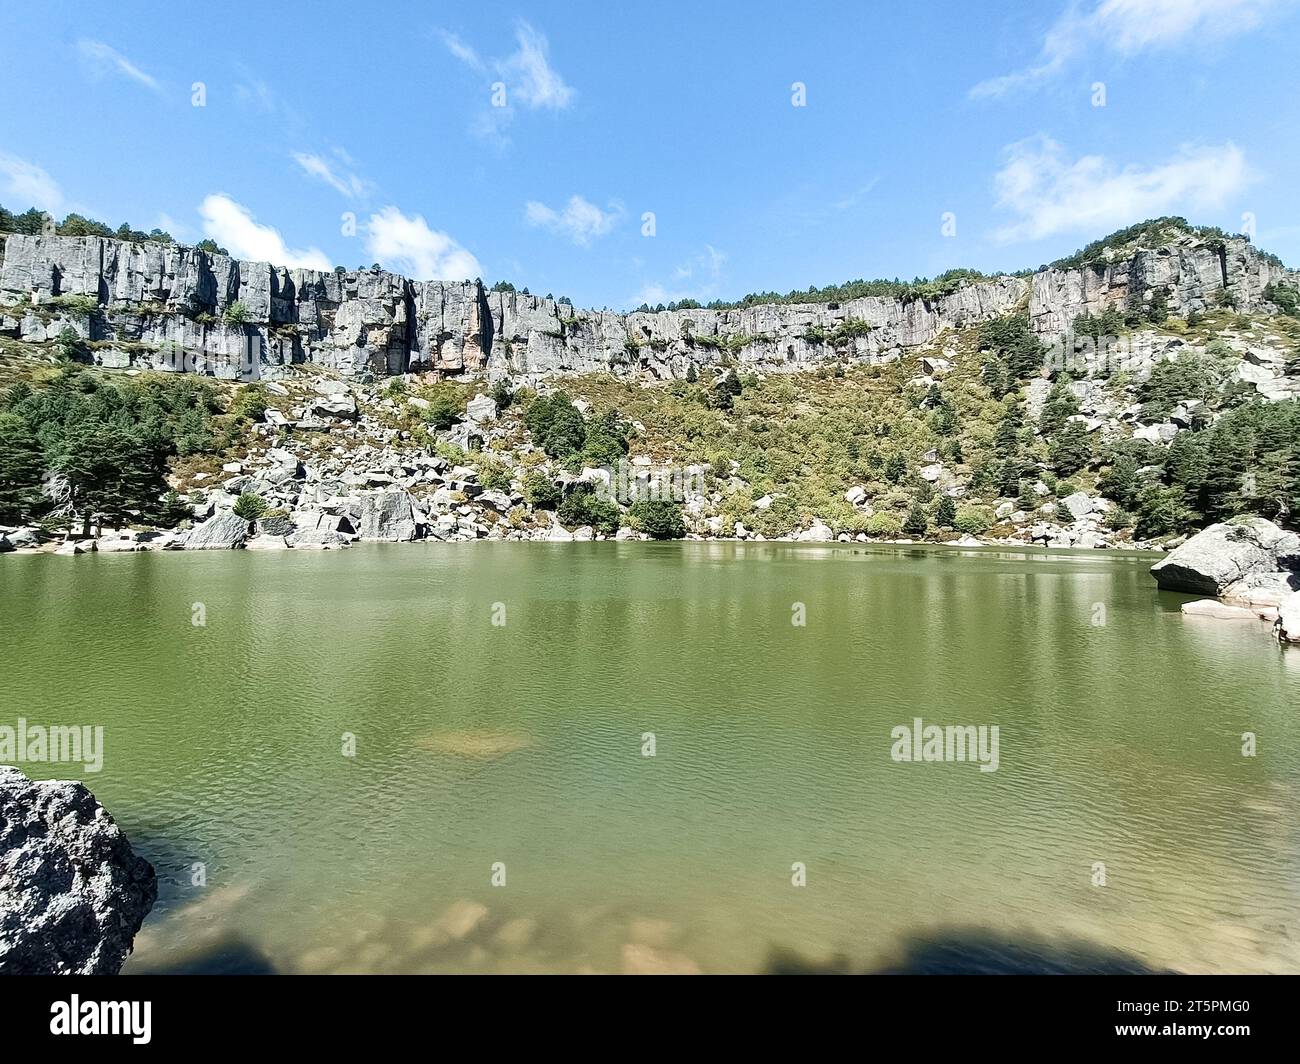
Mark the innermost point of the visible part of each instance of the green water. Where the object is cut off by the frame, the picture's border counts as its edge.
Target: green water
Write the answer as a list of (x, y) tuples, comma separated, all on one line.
[(1120, 726)]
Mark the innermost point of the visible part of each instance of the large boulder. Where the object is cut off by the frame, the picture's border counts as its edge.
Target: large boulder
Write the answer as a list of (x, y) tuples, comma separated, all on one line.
[(226, 531), (388, 516), (1288, 622), (72, 892), (1222, 555)]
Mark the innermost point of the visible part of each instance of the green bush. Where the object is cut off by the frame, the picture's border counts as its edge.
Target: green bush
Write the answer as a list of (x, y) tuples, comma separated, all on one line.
[(556, 425), (541, 492), (659, 519), (972, 520), (581, 507), (250, 506), (884, 525)]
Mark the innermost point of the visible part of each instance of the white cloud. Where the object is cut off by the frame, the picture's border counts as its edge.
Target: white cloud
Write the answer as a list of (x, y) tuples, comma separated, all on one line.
[(462, 51), (24, 184), (1129, 27), (529, 75), (704, 268), (580, 220), (527, 72), (104, 59), (335, 174), (407, 245), (232, 226), (1051, 193)]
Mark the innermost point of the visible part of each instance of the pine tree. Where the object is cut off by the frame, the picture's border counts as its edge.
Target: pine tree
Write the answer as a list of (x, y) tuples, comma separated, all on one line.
[(21, 463), (946, 512)]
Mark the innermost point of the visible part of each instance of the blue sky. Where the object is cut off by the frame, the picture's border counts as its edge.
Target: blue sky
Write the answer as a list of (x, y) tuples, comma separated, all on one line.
[(985, 112)]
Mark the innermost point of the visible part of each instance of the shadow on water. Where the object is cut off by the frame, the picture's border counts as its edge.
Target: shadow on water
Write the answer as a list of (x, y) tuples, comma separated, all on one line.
[(963, 951), (231, 956)]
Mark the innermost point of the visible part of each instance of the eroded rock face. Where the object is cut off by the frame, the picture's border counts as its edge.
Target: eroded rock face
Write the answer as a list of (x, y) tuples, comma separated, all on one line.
[(72, 892), (1224, 555), (388, 516), (374, 323)]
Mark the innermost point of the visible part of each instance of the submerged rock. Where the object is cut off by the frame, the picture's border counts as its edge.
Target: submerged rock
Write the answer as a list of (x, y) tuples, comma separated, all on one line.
[(72, 892), (1218, 557)]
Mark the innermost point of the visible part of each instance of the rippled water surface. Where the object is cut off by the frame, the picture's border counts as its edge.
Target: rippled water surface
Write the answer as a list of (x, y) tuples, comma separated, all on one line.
[(521, 743)]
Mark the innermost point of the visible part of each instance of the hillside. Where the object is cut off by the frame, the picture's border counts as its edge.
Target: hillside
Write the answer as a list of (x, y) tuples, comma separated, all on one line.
[(1129, 394)]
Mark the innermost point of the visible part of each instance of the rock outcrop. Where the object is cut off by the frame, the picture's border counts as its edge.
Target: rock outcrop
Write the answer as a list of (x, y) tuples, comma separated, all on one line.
[(225, 531), (1225, 556), (72, 892), (1288, 622), (157, 305)]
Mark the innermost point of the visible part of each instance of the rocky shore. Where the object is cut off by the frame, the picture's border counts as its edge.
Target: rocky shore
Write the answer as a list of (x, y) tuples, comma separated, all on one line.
[(1249, 566), (73, 894)]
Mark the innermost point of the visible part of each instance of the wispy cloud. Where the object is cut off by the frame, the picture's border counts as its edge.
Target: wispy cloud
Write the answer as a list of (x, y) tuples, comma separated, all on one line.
[(579, 219), (103, 59), (698, 278), (23, 184), (1048, 192), (1128, 27), (232, 225), (336, 173), (530, 81), (528, 73), (407, 245), (462, 51)]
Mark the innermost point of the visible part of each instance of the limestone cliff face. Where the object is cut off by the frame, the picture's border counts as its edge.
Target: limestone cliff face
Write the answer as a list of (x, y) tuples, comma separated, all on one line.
[(155, 301)]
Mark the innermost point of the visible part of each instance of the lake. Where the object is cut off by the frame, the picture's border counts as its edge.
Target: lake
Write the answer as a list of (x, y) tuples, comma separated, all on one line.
[(433, 758)]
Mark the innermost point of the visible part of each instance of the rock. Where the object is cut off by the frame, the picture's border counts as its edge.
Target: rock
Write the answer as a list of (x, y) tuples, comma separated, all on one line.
[(318, 539), (640, 959), (1224, 554), (266, 541), (1077, 505), (1263, 589), (1004, 510), (559, 534), (585, 533), (343, 406), (968, 541), (1288, 622), (24, 537), (70, 547), (1221, 611), (854, 495), (818, 533), (74, 894), (225, 531), (931, 473), (481, 408), (625, 533), (388, 516), (279, 525), (5, 545)]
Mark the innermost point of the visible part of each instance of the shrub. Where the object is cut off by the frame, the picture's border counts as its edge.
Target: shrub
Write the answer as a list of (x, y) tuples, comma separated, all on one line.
[(541, 491), (556, 425), (917, 523), (659, 519), (236, 313), (250, 506), (884, 525), (972, 520), (581, 507)]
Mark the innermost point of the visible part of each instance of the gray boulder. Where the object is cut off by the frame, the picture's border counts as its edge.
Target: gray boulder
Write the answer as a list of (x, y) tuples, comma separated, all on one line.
[(1288, 623), (388, 516), (1222, 555), (318, 539), (226, 531), (72, 892)]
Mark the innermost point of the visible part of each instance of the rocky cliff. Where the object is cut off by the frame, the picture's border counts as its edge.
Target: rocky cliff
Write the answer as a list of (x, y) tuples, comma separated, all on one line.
[(145, 304)]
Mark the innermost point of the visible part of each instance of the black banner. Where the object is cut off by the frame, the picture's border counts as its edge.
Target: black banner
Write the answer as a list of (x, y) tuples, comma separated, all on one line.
[(177, 1013)]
